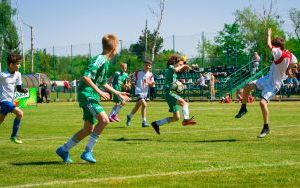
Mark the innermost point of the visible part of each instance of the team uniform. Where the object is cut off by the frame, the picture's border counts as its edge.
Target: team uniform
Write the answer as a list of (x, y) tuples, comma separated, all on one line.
[(119, 80), (141, 89), (8, 84), (271, 83), (171, 97), (89, 99)]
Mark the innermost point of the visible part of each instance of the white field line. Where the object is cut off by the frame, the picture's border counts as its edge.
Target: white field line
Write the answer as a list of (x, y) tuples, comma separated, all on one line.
[(141, 176), (4, 139)]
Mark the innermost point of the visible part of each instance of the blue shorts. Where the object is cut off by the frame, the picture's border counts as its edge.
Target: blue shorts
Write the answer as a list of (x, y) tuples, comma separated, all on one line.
[(6, 107)]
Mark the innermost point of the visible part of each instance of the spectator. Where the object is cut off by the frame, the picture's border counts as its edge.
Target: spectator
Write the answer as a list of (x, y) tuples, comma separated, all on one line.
[(53, 86), (201, 81), (226, 99), (43, 86), (255, 62), (66, 86)]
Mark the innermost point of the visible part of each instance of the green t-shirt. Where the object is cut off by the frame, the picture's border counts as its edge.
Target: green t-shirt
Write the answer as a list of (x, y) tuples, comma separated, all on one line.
[(97, 71), (119, 79), (170, 78)]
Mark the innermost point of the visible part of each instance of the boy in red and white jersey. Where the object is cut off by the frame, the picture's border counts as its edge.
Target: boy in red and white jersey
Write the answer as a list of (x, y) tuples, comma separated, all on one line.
[(271, 83)]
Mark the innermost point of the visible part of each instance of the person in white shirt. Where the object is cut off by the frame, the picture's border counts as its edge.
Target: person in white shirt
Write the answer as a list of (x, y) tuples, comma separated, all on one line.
[(9, 81), (143, 80), (271, 83)]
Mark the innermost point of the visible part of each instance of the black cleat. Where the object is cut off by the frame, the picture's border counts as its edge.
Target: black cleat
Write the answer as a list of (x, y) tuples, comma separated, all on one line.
[(242, 112), (155, 127), (264, 132)]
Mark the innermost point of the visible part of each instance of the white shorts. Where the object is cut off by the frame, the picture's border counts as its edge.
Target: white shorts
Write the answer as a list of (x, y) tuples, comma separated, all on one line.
[(267, 88)]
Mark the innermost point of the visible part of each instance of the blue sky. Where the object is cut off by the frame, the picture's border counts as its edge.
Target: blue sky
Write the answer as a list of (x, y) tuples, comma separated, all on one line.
[(64, 22)]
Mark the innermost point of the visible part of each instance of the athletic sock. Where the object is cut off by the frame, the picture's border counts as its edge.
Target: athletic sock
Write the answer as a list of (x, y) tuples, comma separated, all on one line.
[(185, 112), (92, 141), (163, 121), (112, 111), (16, 126), (70, 144), (117, 109), (243, 106), (144, 119)]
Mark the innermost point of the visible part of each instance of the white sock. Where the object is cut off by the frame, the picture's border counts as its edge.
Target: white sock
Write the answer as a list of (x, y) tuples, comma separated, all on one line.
[(163, 121), (92, 141), (117, 109), (144, 119), (70, 144), (112, 111), (185, 112)]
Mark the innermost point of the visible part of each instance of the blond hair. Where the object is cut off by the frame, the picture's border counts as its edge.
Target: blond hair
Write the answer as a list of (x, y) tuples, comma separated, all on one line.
[(110, 42)]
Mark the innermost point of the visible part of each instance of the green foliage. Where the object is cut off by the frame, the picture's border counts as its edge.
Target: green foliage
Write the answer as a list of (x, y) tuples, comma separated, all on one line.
[(9, 41), (293, 45), (254, 29), (139, 48)]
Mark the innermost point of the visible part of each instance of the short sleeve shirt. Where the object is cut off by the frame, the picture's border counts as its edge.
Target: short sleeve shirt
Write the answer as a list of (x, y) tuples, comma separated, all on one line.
[(97, 71), (8, 84), (140, 86), (170, 78)]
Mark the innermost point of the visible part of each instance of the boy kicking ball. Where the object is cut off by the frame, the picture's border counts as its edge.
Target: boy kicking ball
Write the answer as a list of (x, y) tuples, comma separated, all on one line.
[(88, 97), (175, 65), (271, 83)]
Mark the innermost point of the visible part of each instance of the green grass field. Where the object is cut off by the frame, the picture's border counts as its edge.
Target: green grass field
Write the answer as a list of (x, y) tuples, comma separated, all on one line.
[(220, 151)]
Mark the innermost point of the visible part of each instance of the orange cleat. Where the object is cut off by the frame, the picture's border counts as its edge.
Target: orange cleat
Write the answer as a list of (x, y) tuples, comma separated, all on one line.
[(190, 121)]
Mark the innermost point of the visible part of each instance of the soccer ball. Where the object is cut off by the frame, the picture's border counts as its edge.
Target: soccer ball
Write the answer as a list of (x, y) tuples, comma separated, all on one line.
[(178, 86)]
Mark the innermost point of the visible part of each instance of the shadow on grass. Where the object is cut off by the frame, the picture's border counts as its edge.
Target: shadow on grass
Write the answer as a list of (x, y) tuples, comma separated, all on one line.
[(131, 139), (41, 163), (202, 141)]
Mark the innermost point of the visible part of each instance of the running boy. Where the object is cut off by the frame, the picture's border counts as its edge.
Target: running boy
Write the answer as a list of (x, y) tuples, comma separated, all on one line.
[(119, 83), (9, 80), (143, 80), (271, 83), (94, 76), (175, 65)]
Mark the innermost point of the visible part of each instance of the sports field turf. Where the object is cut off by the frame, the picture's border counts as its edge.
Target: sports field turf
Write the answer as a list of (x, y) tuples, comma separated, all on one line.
[(220, 151)]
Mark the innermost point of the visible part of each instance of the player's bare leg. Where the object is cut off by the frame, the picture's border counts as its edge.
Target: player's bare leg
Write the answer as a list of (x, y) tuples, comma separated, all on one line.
[(133, 111), (87, 155), (265, 113), (185, 113), (144, 113), (247, 89)]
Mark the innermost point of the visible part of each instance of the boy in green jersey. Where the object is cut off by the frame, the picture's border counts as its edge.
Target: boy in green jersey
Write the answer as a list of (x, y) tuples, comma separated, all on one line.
[(120, 83), (175, 65), (95, 76)]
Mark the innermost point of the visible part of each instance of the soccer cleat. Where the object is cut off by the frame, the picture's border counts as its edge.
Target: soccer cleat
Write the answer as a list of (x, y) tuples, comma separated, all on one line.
[(111, 119), (155, 127), (115, 118), (88, 156), (64, 155), (263, 132), (16, 140), (145, 124), (242, 112), (128, 120), (190, 121)]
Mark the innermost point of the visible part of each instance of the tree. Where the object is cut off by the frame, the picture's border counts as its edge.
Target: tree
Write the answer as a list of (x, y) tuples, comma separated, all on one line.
[(9, 40), (156, 31), (254, 27), (139, 48), (295, 18)]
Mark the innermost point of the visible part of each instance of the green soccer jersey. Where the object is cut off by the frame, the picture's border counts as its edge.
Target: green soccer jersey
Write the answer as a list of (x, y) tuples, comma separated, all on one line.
[(170, 78), (119, 79), (97, 71)]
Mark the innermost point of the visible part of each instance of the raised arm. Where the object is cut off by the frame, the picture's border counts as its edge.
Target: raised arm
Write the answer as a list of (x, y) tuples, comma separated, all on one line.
[(269, 42)]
